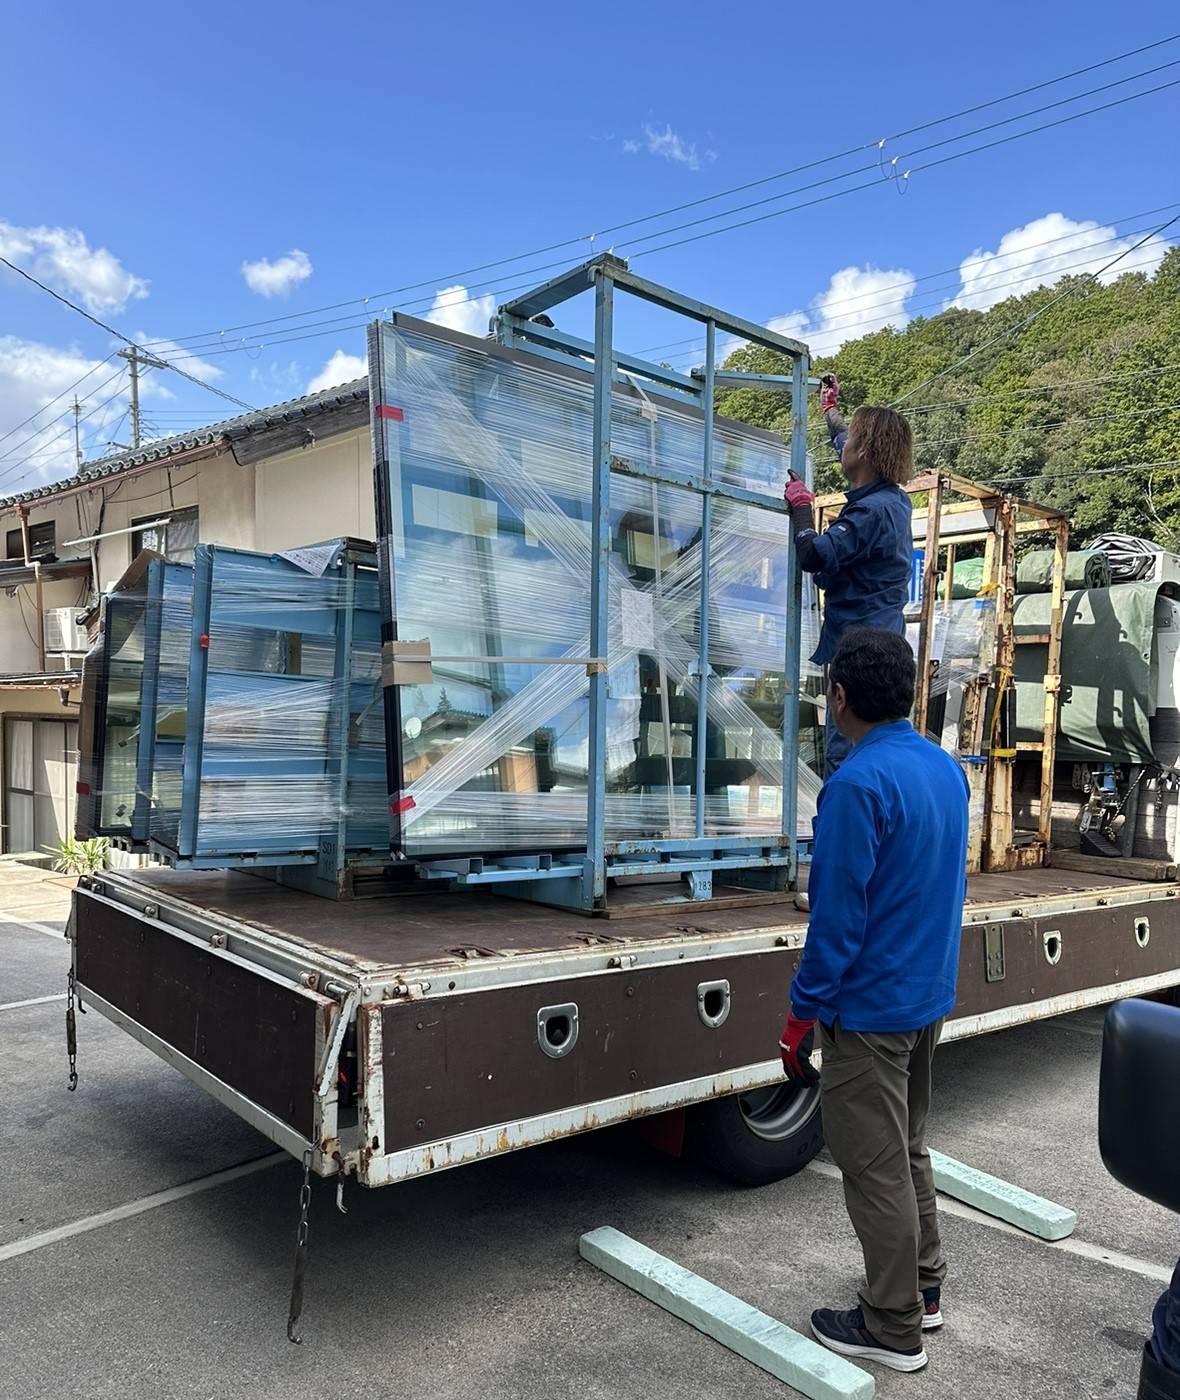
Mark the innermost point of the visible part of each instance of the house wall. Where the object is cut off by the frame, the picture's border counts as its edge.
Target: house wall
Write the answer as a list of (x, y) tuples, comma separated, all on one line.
[(297, 497), (315, 493)]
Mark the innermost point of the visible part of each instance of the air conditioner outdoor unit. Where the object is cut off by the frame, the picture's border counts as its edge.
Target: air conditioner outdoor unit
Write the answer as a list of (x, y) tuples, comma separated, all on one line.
[(62, 632)]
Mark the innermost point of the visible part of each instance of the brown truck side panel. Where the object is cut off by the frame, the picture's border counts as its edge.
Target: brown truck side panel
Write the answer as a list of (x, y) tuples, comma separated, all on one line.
[(1098, 949), (253, 1034), (454, 1064)]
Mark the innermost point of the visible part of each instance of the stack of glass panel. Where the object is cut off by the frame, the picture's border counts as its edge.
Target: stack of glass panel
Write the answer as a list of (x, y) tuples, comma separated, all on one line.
[(233, 712), (484, 501)]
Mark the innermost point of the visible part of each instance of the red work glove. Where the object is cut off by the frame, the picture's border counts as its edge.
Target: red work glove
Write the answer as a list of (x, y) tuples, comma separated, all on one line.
[(829, 391), (796, 1043), (797, 493)]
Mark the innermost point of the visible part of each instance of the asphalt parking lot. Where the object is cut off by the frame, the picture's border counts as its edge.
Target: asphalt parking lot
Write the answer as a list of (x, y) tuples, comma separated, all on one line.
[(469, 1284)]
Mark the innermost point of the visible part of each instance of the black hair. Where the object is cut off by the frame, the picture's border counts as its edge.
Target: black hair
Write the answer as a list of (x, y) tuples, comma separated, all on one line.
[(877, 672)]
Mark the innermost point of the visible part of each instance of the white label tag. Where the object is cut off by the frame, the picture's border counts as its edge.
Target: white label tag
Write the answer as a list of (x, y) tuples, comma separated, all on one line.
[(637, 619)]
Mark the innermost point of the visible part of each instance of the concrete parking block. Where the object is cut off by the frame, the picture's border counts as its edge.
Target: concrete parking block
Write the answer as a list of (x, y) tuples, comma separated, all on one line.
[(768, 1343)]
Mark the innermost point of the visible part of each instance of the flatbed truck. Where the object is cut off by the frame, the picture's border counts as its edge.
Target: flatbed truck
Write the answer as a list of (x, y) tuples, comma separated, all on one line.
[(395, 1037)]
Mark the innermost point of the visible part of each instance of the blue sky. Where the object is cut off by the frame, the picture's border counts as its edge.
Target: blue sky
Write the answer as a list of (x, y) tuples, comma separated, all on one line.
[(227, 164)]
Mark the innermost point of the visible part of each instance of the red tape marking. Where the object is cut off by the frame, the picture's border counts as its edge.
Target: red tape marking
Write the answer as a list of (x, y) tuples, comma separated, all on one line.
[(401, 804), (385, 410)]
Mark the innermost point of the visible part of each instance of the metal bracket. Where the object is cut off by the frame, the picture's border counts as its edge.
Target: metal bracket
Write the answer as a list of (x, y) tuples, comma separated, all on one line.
[(335, 1042), (993, 953)]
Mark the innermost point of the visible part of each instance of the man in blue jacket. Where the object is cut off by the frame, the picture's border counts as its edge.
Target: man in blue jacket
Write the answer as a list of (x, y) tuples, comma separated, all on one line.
[(878, 972)]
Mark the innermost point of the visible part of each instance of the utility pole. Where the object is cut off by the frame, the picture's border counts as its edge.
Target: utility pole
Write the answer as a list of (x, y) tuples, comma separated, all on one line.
[(77, 434), (135, 358)]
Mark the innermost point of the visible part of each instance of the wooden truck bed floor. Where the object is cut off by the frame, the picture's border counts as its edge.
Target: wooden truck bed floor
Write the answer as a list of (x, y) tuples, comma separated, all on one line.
[(439, 929)]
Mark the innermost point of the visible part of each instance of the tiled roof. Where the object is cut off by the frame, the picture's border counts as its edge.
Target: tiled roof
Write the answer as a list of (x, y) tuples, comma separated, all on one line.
[(228, 431)]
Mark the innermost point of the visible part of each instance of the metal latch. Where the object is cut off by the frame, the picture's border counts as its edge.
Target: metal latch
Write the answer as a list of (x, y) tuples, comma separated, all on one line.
[(993, 952)]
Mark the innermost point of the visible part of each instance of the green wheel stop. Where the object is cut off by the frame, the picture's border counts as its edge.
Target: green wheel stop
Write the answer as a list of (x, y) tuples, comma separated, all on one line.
[(787, 1355), (1018, 1207)]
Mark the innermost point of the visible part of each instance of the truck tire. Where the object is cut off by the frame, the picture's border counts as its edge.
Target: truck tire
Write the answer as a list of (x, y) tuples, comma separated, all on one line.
[(757, 1137)]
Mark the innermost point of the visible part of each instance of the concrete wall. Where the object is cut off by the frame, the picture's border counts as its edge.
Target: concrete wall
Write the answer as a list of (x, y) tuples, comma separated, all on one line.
[(315, 493)]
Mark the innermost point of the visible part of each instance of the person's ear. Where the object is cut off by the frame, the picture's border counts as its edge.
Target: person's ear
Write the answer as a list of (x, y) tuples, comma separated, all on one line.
[(839, 699)]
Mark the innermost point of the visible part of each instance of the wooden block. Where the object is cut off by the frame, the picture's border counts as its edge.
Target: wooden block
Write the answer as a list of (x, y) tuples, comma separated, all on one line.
[(1001, 1199), (1120, 867), (787, 1355)]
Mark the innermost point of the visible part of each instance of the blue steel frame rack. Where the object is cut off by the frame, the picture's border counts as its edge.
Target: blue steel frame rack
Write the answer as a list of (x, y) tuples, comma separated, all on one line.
[(579, 881)]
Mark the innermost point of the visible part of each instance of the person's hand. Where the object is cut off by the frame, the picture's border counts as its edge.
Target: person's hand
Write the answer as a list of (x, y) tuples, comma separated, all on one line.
[(797, 492), (796, 1044), (829, 391)]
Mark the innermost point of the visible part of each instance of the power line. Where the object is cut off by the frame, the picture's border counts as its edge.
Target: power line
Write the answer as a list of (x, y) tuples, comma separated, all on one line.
[(913, 170), (110, 330), (98, 408), (1027, 321), (920, 150), (694, 343), (1051, 476), (49, 404), (1046, 427), (341, 324), (877, 322), (591, 238), (1047, 388), (38, 432)]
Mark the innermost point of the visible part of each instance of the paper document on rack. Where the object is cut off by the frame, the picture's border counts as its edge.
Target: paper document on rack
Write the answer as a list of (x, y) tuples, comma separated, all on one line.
[(313, 559)]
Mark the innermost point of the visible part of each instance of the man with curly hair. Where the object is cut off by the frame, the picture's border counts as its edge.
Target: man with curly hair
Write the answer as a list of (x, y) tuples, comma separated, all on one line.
[(862, 561)]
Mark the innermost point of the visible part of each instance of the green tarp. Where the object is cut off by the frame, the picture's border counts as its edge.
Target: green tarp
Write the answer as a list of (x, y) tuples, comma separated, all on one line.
[(1084, 568), (1108, 679)]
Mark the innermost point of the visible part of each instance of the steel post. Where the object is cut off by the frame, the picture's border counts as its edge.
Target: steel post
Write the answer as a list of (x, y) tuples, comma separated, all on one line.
[(703, 669), (600, 581), (794, 620)]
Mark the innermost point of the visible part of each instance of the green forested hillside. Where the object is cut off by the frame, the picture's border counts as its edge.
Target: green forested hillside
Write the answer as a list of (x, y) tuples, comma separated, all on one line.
[(1065, 412)]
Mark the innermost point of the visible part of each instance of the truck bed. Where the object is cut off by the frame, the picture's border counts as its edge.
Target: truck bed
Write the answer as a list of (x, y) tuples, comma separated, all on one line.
[(403, 1034), (437, 930)]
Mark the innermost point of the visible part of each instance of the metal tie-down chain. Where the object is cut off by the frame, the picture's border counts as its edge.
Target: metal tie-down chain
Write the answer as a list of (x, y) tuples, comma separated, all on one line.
[(301, 1238), (72, 1029)]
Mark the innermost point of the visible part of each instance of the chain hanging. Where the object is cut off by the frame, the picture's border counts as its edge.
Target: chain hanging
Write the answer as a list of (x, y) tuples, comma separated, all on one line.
[(301, 1238), (71, 1030)]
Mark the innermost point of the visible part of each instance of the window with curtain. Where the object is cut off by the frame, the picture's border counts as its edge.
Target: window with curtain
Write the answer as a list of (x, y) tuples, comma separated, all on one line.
[(176, 540)]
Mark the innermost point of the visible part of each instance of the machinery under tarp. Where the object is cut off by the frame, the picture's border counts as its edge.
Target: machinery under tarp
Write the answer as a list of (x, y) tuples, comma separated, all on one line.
[(1107, 659)]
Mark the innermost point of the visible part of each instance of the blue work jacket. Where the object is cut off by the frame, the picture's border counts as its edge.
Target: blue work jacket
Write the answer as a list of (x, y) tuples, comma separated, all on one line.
[(862, 561), (888, 880)]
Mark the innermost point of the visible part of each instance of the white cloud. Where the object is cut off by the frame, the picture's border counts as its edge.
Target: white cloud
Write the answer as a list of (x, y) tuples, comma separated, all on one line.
[(1041, 252), (339, 370), (669, 145), (457, 311), (63, 258), (856, 301), (276, 279), (794, 323), (31, 376)]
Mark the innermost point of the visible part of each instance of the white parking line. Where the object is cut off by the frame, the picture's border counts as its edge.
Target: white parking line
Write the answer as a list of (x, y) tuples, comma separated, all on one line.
[(1160, 1273), (57, 933), (132, 1208), (31, 1001)]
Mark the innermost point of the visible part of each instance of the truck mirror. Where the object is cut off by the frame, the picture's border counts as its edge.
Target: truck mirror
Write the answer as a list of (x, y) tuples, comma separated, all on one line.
[(1139, 1099)]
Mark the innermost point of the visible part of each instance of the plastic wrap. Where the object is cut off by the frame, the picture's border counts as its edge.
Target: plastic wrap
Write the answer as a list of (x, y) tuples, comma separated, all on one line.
[(237, 712), (489, 509)]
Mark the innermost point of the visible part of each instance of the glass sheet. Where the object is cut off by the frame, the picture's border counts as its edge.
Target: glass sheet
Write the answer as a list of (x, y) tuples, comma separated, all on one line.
[(119, 741), (487, 504)]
